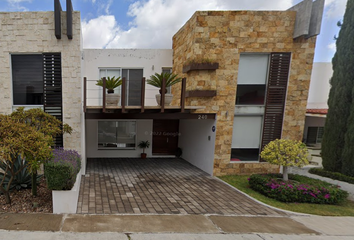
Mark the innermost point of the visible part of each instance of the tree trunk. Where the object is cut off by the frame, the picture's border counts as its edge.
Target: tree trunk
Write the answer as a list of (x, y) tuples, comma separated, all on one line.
[(7, 197), (285, 173), (34, 183)]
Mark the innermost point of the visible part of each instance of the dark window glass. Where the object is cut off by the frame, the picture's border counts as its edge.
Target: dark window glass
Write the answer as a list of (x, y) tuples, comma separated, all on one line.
[(27, 75), (134, 77), (167, 70), (314, 135), (250, 94), (245, 154)]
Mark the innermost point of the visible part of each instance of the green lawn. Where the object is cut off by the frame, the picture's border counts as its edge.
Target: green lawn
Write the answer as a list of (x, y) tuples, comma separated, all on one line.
[(241, 183)]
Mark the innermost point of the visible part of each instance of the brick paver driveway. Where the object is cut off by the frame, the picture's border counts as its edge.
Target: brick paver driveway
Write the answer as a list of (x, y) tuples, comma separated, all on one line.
[(163, 186)]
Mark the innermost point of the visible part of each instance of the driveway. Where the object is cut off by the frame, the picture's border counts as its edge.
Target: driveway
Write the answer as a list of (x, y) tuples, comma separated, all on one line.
[(159, 186)]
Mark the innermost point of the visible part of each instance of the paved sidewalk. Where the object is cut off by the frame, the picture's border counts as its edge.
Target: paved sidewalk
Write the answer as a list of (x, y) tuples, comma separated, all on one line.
[(159, 186), (179, 227)]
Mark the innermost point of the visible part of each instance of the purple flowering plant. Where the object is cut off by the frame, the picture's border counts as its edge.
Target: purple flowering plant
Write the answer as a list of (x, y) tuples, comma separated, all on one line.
[(67, 156), (61, 170), (297, 190)]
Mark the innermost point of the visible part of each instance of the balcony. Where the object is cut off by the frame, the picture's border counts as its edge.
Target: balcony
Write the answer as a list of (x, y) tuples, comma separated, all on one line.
[(134, 99)]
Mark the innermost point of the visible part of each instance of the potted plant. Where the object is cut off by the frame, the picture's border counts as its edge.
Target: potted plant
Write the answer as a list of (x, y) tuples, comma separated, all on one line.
[(112, 99), (156, 81), (143, 145)]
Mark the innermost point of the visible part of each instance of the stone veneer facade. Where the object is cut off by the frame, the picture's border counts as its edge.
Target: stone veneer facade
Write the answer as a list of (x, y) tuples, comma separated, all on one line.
[(31, 33), (221, 36)]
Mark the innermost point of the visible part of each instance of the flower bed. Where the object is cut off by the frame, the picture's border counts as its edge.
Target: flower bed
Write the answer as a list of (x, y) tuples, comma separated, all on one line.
[(299, 189)]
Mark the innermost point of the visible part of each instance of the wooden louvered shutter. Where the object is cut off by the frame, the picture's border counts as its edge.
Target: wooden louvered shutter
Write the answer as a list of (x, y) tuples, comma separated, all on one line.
[(52, 89), (276, 95)]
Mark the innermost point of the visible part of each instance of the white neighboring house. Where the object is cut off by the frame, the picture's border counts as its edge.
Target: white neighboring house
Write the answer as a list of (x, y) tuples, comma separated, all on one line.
[(317, 103)]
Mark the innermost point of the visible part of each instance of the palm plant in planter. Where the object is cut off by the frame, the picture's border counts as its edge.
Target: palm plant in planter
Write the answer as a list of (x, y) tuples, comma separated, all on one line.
[(143, 145), (112, 99), (156, 81)]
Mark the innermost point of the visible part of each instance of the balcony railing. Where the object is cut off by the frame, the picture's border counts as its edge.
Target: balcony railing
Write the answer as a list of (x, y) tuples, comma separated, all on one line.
[(95, 96)]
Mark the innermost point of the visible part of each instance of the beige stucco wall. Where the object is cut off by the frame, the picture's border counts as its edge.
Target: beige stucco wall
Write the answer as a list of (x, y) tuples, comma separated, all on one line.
[(33, 32), (221, 36)]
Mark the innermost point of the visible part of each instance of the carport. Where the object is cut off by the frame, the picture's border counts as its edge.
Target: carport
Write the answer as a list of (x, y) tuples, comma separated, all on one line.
[(159, 186)]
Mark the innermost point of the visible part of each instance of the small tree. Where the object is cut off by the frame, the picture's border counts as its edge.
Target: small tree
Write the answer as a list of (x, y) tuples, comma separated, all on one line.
[(45, 124), (19, 139), (286, 153)]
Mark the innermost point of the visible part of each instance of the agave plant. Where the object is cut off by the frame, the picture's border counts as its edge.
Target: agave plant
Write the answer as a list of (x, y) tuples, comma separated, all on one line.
[(111, 83), (156, 79), (23, 178)]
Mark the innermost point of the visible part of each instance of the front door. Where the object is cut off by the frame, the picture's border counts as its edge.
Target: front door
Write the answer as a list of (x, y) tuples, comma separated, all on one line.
[(165, 137)]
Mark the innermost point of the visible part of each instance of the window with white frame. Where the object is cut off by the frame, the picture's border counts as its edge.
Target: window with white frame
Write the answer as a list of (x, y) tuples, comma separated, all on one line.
[(251, 79), (111, 72), (246, 138), (116, 134), (133, 82), (250, 94)]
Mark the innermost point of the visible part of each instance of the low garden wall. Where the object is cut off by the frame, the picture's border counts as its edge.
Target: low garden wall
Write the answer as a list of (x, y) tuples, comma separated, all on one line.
[(65, 201)]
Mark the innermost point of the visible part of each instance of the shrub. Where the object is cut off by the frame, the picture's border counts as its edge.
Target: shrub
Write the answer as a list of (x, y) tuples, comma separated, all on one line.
[(18, 138), (304, 191), (332, 175), (45, 124), (62, 169)]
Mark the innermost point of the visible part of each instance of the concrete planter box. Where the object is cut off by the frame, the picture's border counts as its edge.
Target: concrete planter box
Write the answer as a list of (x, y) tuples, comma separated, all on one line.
[(65, 201)]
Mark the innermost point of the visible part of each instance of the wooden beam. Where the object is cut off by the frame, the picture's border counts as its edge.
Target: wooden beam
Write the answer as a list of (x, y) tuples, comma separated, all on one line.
[(69, 19), (142, 95), (162, 100), (183, 94), (124, 92), (138, 115), (85, 93), (104, 95), (57, 19)]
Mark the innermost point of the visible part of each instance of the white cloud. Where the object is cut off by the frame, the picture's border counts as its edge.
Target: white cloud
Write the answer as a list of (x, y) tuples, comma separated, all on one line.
[(18, 1), (103, 6), (156, 21), (15, 5), (332, 46), (98, 32), (335, 9)]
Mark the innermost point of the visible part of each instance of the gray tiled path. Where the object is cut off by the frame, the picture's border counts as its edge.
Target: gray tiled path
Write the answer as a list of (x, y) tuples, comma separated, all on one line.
[(162, 186)]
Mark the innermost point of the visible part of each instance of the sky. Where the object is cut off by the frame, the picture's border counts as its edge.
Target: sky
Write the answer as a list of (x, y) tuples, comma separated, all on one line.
[(152, 23)]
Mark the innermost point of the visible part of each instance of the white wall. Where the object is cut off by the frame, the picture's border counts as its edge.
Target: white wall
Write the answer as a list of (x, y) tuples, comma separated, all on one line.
[(313, 122), (150, 60), (144, 130), (319, 85), (197, 148)]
